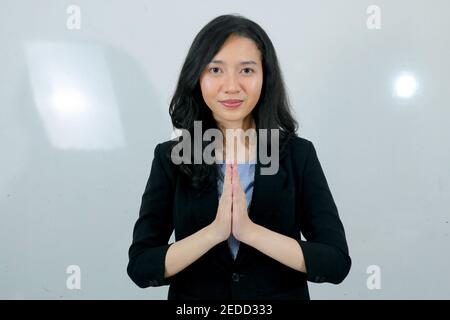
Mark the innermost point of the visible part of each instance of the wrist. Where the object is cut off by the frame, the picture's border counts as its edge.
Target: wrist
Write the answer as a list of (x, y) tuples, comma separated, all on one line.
[(210, 235), (252, 234)]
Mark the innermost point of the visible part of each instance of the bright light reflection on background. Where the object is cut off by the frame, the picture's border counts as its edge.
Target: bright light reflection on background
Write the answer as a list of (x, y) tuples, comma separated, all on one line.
[(405, 85), (69, 101), (74, 96)]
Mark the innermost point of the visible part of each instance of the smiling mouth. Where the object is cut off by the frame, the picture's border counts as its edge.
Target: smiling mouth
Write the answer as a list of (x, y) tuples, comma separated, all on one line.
[(231, 104)]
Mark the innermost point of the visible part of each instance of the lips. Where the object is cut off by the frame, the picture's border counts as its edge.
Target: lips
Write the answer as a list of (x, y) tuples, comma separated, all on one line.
[(231, 103)]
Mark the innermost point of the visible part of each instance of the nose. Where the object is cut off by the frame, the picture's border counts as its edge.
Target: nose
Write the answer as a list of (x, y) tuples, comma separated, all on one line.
[(231, 84)]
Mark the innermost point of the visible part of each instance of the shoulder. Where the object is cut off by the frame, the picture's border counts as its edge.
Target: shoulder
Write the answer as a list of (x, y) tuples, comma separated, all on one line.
[(297, 142), (298, 146), (165, 147), (162, 155), (300, 153)]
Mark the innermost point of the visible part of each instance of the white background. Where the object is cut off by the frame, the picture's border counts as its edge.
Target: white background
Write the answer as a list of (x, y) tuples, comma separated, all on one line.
[(82, 110)]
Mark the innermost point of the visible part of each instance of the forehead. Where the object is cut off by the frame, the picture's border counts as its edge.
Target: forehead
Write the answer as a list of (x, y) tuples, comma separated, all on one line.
[(237, 49)]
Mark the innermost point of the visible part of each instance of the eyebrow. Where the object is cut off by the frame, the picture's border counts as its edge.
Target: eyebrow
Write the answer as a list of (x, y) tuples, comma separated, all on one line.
[(241, 63)]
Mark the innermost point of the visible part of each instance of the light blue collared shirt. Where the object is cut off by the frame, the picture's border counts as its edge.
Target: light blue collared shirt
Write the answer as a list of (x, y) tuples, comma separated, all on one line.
[(247, 178)]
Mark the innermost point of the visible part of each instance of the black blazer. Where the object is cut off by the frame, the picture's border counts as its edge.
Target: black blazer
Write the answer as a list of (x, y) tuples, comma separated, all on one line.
[(295, 200)]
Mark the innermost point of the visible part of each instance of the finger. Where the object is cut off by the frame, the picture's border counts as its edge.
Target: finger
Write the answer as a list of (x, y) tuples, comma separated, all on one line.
[(238, 191), (236, 175), (237, 188), (227, 181), (232, 166), (230, 188), (233, 179), (225, 177)]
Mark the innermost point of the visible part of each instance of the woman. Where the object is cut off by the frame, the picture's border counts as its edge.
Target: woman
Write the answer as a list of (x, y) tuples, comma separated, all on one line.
[(237, 230)]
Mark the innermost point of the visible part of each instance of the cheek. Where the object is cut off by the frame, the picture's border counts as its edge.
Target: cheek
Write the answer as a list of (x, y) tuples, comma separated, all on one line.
[(209, 87), (254, 88)]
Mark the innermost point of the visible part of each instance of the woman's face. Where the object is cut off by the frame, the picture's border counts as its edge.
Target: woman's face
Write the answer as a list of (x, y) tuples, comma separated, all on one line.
[(234, 73)]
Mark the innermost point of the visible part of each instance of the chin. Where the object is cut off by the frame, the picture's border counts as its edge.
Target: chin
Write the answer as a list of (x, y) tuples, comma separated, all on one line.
[(238, 117)]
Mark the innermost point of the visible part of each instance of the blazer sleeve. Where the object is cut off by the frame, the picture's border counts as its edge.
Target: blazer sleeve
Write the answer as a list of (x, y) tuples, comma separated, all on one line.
[(153, 228), (325, 251)]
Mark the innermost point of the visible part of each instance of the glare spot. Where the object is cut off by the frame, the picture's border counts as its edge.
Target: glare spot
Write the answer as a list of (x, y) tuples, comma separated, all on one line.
[(69, 101), (405, 86)]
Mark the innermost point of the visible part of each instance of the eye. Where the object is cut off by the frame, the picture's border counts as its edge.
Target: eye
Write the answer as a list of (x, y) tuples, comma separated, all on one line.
[(248, 69), (214, 68)]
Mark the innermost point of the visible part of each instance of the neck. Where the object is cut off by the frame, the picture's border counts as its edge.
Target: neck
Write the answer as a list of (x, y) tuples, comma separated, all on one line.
[(244, 124), (239, 138)]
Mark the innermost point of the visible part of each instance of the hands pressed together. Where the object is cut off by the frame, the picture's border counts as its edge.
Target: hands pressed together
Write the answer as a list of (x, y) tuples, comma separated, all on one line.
[(232, 215)]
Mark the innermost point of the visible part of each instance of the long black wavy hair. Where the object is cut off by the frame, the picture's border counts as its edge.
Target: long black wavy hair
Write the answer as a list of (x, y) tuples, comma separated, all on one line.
[(187, 105)]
